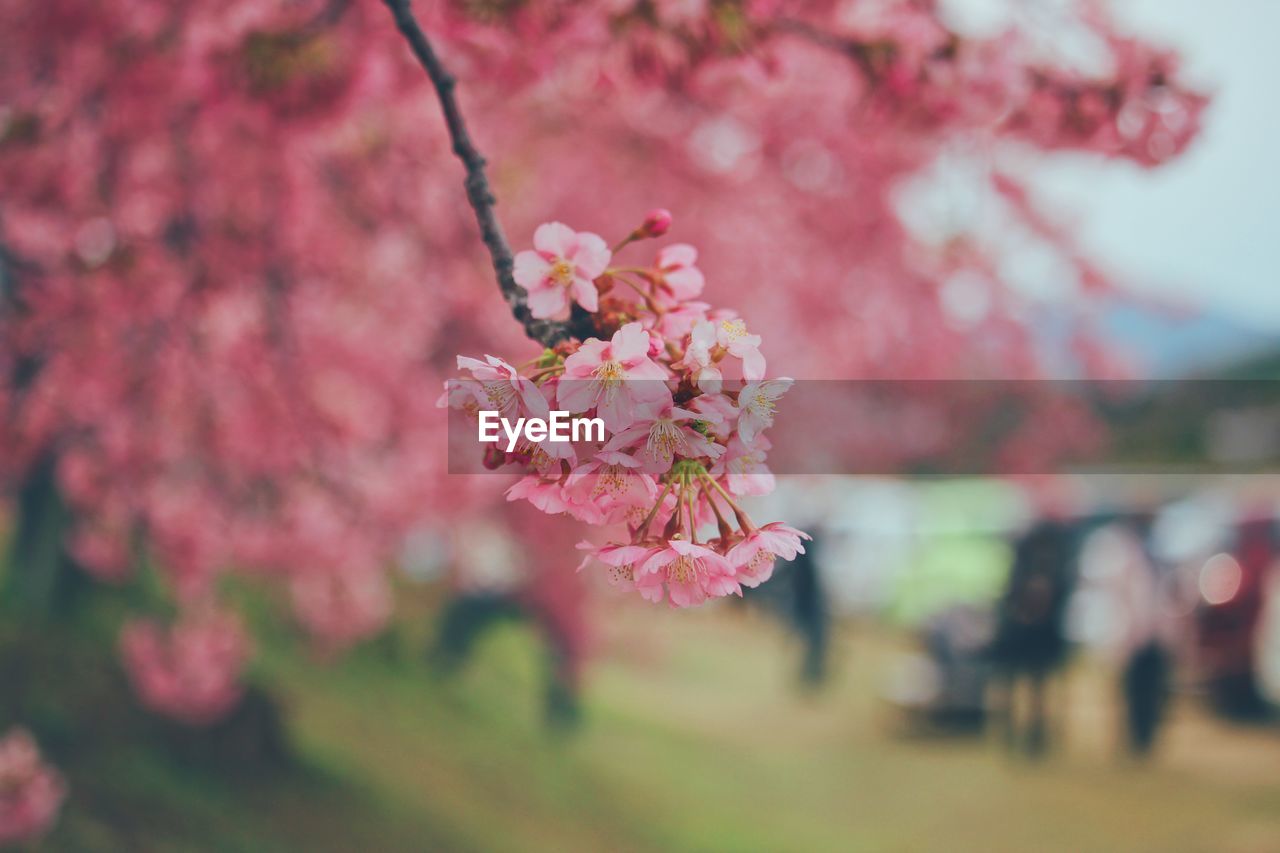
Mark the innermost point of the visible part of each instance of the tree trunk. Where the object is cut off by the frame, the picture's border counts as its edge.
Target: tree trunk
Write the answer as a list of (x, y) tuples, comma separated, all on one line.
[(41, 579)]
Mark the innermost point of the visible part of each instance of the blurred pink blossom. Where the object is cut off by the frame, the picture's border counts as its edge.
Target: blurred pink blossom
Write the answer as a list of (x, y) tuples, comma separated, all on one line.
[(31, 791), (189, 670)]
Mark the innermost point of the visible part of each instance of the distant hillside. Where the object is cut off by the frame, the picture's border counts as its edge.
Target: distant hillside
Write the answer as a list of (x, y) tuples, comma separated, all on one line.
[(1191, 344), (1167, 343)]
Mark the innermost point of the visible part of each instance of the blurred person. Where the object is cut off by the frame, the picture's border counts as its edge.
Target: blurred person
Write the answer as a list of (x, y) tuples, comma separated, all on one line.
[(1141, 636), (499, 582), (1030, 641), (797, 596)]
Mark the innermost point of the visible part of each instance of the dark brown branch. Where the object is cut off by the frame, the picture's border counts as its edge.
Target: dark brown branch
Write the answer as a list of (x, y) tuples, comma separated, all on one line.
[(479, 194)]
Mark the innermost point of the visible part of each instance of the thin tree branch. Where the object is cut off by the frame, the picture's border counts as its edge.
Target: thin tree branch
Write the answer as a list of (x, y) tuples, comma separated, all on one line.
[(479, 194)]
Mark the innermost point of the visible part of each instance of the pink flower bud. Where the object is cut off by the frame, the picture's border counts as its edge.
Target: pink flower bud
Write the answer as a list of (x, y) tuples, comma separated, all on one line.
[(656, 222), (656, 345)]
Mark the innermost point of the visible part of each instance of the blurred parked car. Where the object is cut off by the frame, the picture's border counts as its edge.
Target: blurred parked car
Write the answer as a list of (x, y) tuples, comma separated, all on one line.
[(1235, 648)]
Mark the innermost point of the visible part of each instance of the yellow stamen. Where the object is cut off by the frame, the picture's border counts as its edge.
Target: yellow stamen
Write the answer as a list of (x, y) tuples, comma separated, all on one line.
[(539, 458), (734, 329), (501, 394), (683, 569), (609, 376), (611, 479), (561, 272), (665, 439), (762, 404)]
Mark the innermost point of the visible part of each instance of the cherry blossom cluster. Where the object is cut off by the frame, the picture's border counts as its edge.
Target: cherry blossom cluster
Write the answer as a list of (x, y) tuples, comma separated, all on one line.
[(31, 791), (681, 390), (913, 64), (188, 670)]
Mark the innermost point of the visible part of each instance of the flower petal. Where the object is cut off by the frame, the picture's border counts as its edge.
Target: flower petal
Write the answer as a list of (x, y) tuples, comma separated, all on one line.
[(685, 283), (592, 255), (630, 342), (677, 255), (530, 269), (584, 293), (555, 238), (576, 395), (582, 364), (547, 302)]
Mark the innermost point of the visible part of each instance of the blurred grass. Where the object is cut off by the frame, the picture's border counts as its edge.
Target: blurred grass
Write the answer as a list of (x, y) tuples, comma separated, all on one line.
[(695, 739)]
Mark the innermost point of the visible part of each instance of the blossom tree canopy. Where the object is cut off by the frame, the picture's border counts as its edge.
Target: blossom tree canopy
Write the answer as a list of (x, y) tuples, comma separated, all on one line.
[(238, 259)]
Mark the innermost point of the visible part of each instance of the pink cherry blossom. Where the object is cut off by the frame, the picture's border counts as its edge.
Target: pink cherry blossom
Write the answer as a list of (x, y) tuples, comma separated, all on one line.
[(190, 670), (341, 606), (744, 468), (691, 573), (718, 413), (699, 358), (31, 791), (622, 561), (666, 471), (677, 273), (617, 379), (609, 487), (754, 556), (757, 405), (504, 390), (563, 262), (680, 320), (660, 439), (732, 334), (546, 495)]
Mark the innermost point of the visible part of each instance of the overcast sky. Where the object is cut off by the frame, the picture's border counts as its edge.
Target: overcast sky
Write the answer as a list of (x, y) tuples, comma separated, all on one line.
[(1206, 228)]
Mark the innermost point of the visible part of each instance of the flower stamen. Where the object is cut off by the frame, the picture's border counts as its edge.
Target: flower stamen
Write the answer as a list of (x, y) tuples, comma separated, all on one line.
[(561, 272)]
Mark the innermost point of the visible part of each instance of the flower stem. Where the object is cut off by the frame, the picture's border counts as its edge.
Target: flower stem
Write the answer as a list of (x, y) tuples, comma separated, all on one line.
[(744, 520), (693, 523), (640, 271), (648, 519), (648, 300), (726, 531)]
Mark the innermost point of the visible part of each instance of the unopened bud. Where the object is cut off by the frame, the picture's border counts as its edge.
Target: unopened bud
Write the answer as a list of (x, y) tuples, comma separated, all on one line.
[(656, 345), (656, 222)]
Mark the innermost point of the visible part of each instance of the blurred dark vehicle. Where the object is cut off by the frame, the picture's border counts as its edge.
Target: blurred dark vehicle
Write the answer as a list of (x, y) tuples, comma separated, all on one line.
[(1233, 587)]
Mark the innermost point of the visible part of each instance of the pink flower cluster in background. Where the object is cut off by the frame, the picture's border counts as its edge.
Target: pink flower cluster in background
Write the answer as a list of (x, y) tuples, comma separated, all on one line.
[(682, 394), (31, 791), (339, 608), (189, 670)]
